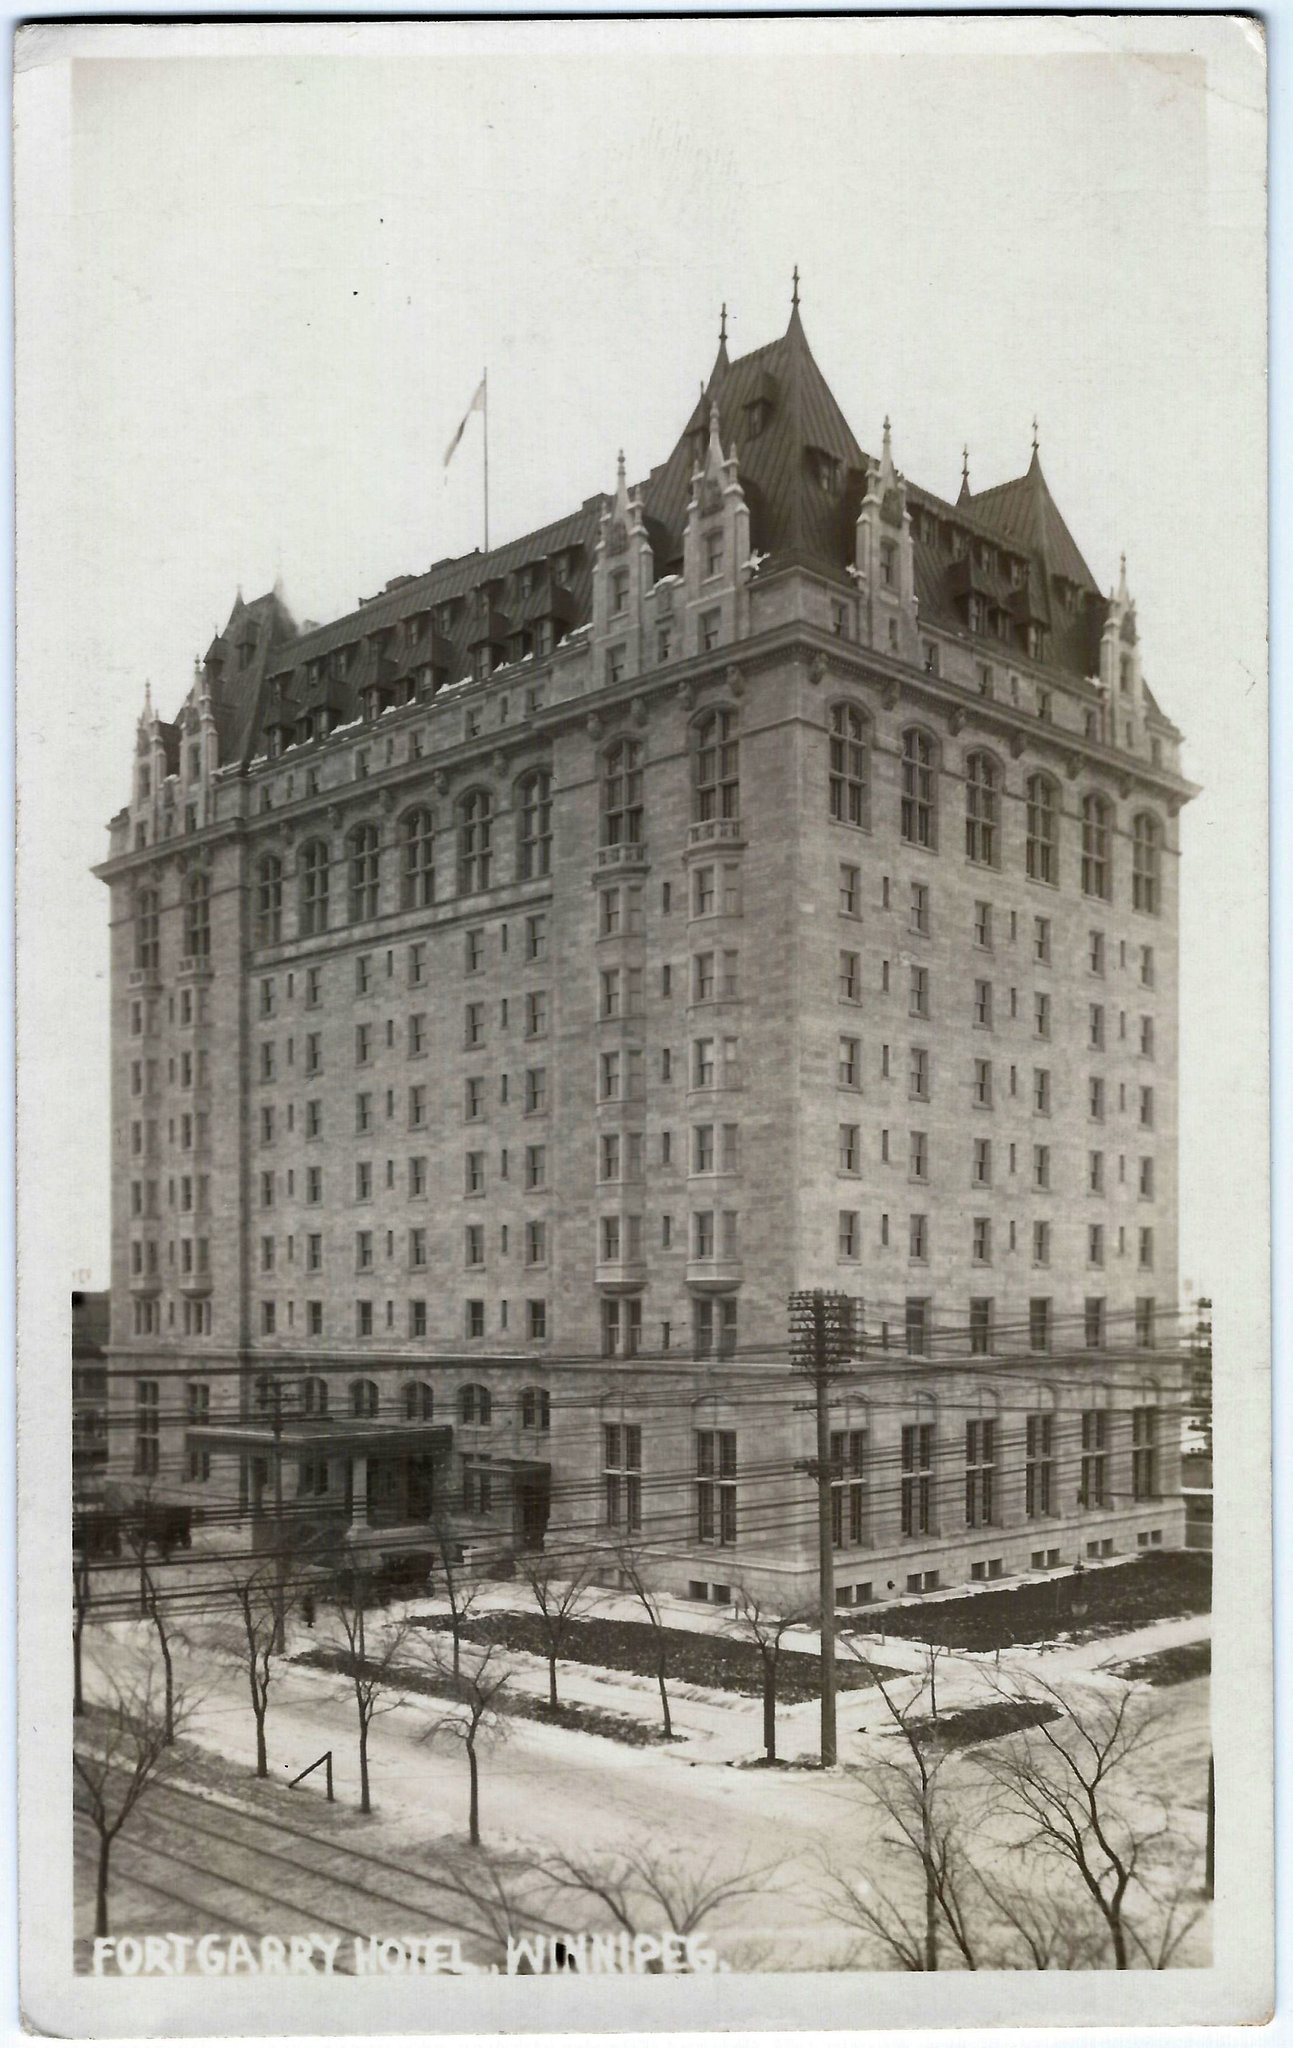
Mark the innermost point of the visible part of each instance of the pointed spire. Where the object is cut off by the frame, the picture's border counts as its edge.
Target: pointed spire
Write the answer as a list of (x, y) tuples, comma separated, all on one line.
[(794, 294), (965, 474), (722, 326), (887, 450), (148, 699), (1123, 593), (1036, 435)]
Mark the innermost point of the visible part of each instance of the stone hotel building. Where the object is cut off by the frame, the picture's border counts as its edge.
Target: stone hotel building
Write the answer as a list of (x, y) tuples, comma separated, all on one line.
[(763, 878)]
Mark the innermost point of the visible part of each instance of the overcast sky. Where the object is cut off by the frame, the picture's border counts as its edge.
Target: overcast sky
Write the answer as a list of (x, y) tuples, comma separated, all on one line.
[(282, 276)]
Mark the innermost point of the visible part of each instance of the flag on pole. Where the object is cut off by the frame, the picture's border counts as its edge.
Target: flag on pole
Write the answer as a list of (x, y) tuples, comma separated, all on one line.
[(477, 405)]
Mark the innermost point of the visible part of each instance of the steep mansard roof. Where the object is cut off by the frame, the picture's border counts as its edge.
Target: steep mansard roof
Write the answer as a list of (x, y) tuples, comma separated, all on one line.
[(804, 477)]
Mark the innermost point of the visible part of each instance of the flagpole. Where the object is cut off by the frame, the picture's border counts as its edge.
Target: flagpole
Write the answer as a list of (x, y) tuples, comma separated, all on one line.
[(485, 388)]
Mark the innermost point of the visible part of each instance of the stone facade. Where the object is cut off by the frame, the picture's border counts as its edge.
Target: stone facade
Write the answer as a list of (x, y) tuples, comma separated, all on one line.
[(766, 879)]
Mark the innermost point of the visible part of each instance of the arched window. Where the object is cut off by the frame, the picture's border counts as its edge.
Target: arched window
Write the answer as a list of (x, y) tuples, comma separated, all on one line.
[(717, 792), (982, 809), (1146, 862), (919, 818), (1095, 846), (147, 950), (536, 1408), (197, 916), (314, 889), (474, 1403), (417, 860), (363, 1397), (419, 1402), (622, 795), (475, 838), (269, 901), (848, 765), (535, 847), (364, 858), (1041, 854), (314, 1397)]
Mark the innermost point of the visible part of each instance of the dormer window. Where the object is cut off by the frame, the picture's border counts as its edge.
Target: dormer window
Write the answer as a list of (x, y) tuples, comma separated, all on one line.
[(1016, 573), (524, 584), (713, 554), (1036, 643), (337, 665), (756, 418), (888, 564), (619, 589), (978, 614), (828, 469)]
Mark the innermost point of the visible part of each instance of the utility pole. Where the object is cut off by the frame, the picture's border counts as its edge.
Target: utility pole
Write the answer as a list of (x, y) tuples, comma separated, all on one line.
[(280, 1558), (819, 1326)]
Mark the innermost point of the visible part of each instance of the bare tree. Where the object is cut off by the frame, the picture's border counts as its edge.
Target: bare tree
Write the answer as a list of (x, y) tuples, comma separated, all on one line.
[(561, 1589), (906, 1785), (1076, 1784), (766, 1628), (162, 1625), (80, 1615), (461, 1586), (637, 1572), (474, 1716), (254, 1592), (121, 1751), (1032, 1923), (371, 1669), (646, 1886)]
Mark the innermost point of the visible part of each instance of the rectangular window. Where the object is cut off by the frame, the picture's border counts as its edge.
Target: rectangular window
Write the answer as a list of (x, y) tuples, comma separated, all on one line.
[(983, 1083), (917, 1326), (1042, 941), (536, 1091), (1039, 1323), (1144, 1454), (849, 1148), (980, 1473), (917, 1499), (850, 890), (848, 1488), (983, 925), (981, 1163), (1041, 1244), (1147, 1109), (1042, 1091), (918, 912), (980, 1326), (716, 1485), (981, 1241), (1147, 966), (983, 1005), (1095, 1244), (918, 995), (622, 1473), (1095, 952), (850, 978), (417, 1107), (850, 1063), (1093, 1322), (918, 1239), (918, 1155), (918, 1074), (849, 1240), (1041, 1166), (1039, 1465), (1042, 1015), (1095, 1451)]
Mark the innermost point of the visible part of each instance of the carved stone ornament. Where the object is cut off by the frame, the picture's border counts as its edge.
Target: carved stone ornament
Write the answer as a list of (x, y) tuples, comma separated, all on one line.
[(499, 762), (817, 669), (388, 801), (441, 780), (1072, 766), (1017, 744), (617, 539), (639, 711), (334, 815), (736, 680), (889, 695), (594, 725), (686, 695), (711, 498), (289, 831), (955, 719), (1124, 786)]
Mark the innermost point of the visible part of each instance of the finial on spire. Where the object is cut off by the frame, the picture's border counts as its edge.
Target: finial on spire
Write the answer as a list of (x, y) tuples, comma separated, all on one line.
[(965, 467), (794, 295), (148, 698), (1036, 435), (722, 326), (619, 469)]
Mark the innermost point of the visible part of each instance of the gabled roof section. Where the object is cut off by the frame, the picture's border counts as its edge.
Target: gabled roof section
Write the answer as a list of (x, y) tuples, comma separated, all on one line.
[(1026, 510), (802, 471)]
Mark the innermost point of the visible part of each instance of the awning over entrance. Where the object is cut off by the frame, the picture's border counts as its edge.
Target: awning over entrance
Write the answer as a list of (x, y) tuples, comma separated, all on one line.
[(320, 1437)]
